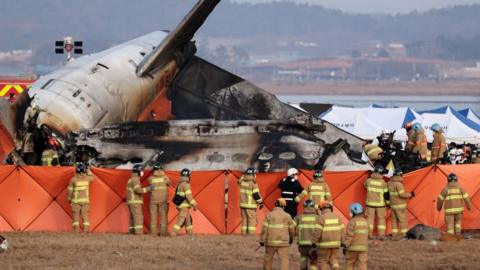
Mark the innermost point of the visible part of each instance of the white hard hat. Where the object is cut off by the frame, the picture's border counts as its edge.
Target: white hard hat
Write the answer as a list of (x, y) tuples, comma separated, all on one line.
[(292, 171)]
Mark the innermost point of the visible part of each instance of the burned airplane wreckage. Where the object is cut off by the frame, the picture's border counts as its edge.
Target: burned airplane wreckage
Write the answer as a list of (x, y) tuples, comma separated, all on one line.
[(152, 99)]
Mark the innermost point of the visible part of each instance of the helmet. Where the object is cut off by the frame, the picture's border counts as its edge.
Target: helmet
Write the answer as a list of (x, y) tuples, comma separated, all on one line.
[(356, 208), (452, 177), (417, 126), (81, 168), (185, 172), (250, 171), (408, 125), (137, 168), (324, 205), (308, 203), (379, 169), (280, 202), (436, 127), (398, 172), (157, 166), (292, 171), (317, 174), (3, 244)]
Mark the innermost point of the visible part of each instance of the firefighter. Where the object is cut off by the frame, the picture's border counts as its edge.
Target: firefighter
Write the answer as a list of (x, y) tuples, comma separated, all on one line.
[(159, 199), (374, 152), (455, 199), (317, 191), (410, 137), (355, 242), (420, 147), (78, 195), (249, 200), (184, 191), (439, 145), (308, 227), (50, 155), (376, 201), (330, 237), (398, 204), (290, 188), (135, 199), (277, 235)]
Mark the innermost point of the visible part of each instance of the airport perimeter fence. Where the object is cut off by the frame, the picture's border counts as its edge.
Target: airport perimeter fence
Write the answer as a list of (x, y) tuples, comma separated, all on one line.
[(35, 198)]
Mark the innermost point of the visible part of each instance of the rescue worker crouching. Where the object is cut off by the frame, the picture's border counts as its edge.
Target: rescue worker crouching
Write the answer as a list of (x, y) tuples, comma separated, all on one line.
[(184, 201), (355, 242), (249, 200), (308, 229), (398, 204), (376, 202), (78, 194), (159, 200), (455, 199), (317, 191), (439, 144), (50, 155), (329, 240), (278, 231), (135, 200), (290, 188)]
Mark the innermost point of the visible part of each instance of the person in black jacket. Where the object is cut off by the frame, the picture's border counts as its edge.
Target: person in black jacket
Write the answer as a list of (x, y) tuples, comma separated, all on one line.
[(290, 188)]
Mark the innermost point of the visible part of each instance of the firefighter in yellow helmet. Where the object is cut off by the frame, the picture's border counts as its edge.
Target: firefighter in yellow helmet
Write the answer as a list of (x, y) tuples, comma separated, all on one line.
[(278, 231), (308, 227), (455, 199), (329, 240), (78, 194), (376, 202), (135, 200), (250, 199), (398, 204), (184, 201), (317, 191), (355, 242), (159, 200)]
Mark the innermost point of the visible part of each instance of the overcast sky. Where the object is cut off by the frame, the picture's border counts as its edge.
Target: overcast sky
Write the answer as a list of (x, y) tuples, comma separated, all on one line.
[(378, 6)]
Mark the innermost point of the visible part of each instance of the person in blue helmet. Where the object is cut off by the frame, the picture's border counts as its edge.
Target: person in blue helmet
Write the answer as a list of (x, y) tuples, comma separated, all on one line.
[(355, 241), (439, 145)]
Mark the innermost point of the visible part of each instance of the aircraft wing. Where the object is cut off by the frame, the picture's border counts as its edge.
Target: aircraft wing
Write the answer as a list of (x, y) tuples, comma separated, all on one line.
[(178, 38)]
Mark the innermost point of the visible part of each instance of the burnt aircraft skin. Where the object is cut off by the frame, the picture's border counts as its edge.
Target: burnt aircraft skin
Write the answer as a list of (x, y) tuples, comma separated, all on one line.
[(208, 144), (116, 86)]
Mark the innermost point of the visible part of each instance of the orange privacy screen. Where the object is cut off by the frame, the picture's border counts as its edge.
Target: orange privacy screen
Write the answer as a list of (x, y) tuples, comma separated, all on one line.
[(34, 198)]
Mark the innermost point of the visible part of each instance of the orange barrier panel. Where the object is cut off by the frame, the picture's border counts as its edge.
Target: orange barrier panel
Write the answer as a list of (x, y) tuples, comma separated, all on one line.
[(6, 142)]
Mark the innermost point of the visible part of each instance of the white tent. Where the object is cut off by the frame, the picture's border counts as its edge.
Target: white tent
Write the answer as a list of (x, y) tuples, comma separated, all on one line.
[(470, 114), (457, 128), (369, 122)]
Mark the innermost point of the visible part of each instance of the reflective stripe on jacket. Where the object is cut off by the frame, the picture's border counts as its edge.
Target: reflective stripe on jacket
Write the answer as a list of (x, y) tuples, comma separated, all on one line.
[(398, 196), (184, 190), (161, 182), (376, 187), (356, 238), (332, 231), (308, 227), (317, 191), (278, 228), (455, 199), (78, 190), (135, 190), (249, 189)]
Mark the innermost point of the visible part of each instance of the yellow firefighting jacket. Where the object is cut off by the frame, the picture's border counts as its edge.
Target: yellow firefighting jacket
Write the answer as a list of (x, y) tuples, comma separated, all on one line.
[(398, 196), (376, 187), (184, 190), (78, 190), (410, 141), (332, 231), (135, 190), (454, 197), (439, 146), (356, 238), (278, 228), (249, 192), (160, 182), (373, 151), (420, 144), (308, 227), (317, 191), (48, 156)]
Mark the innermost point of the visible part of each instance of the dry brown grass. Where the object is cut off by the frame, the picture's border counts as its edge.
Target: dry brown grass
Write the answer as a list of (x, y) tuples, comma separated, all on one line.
[(114, 251)]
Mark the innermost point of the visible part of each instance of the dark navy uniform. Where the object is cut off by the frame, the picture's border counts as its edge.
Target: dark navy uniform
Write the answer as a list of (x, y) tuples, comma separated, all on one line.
[(290, 188)]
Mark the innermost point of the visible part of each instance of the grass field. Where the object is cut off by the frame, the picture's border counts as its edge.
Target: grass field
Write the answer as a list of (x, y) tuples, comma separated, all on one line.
[(115, 251)]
